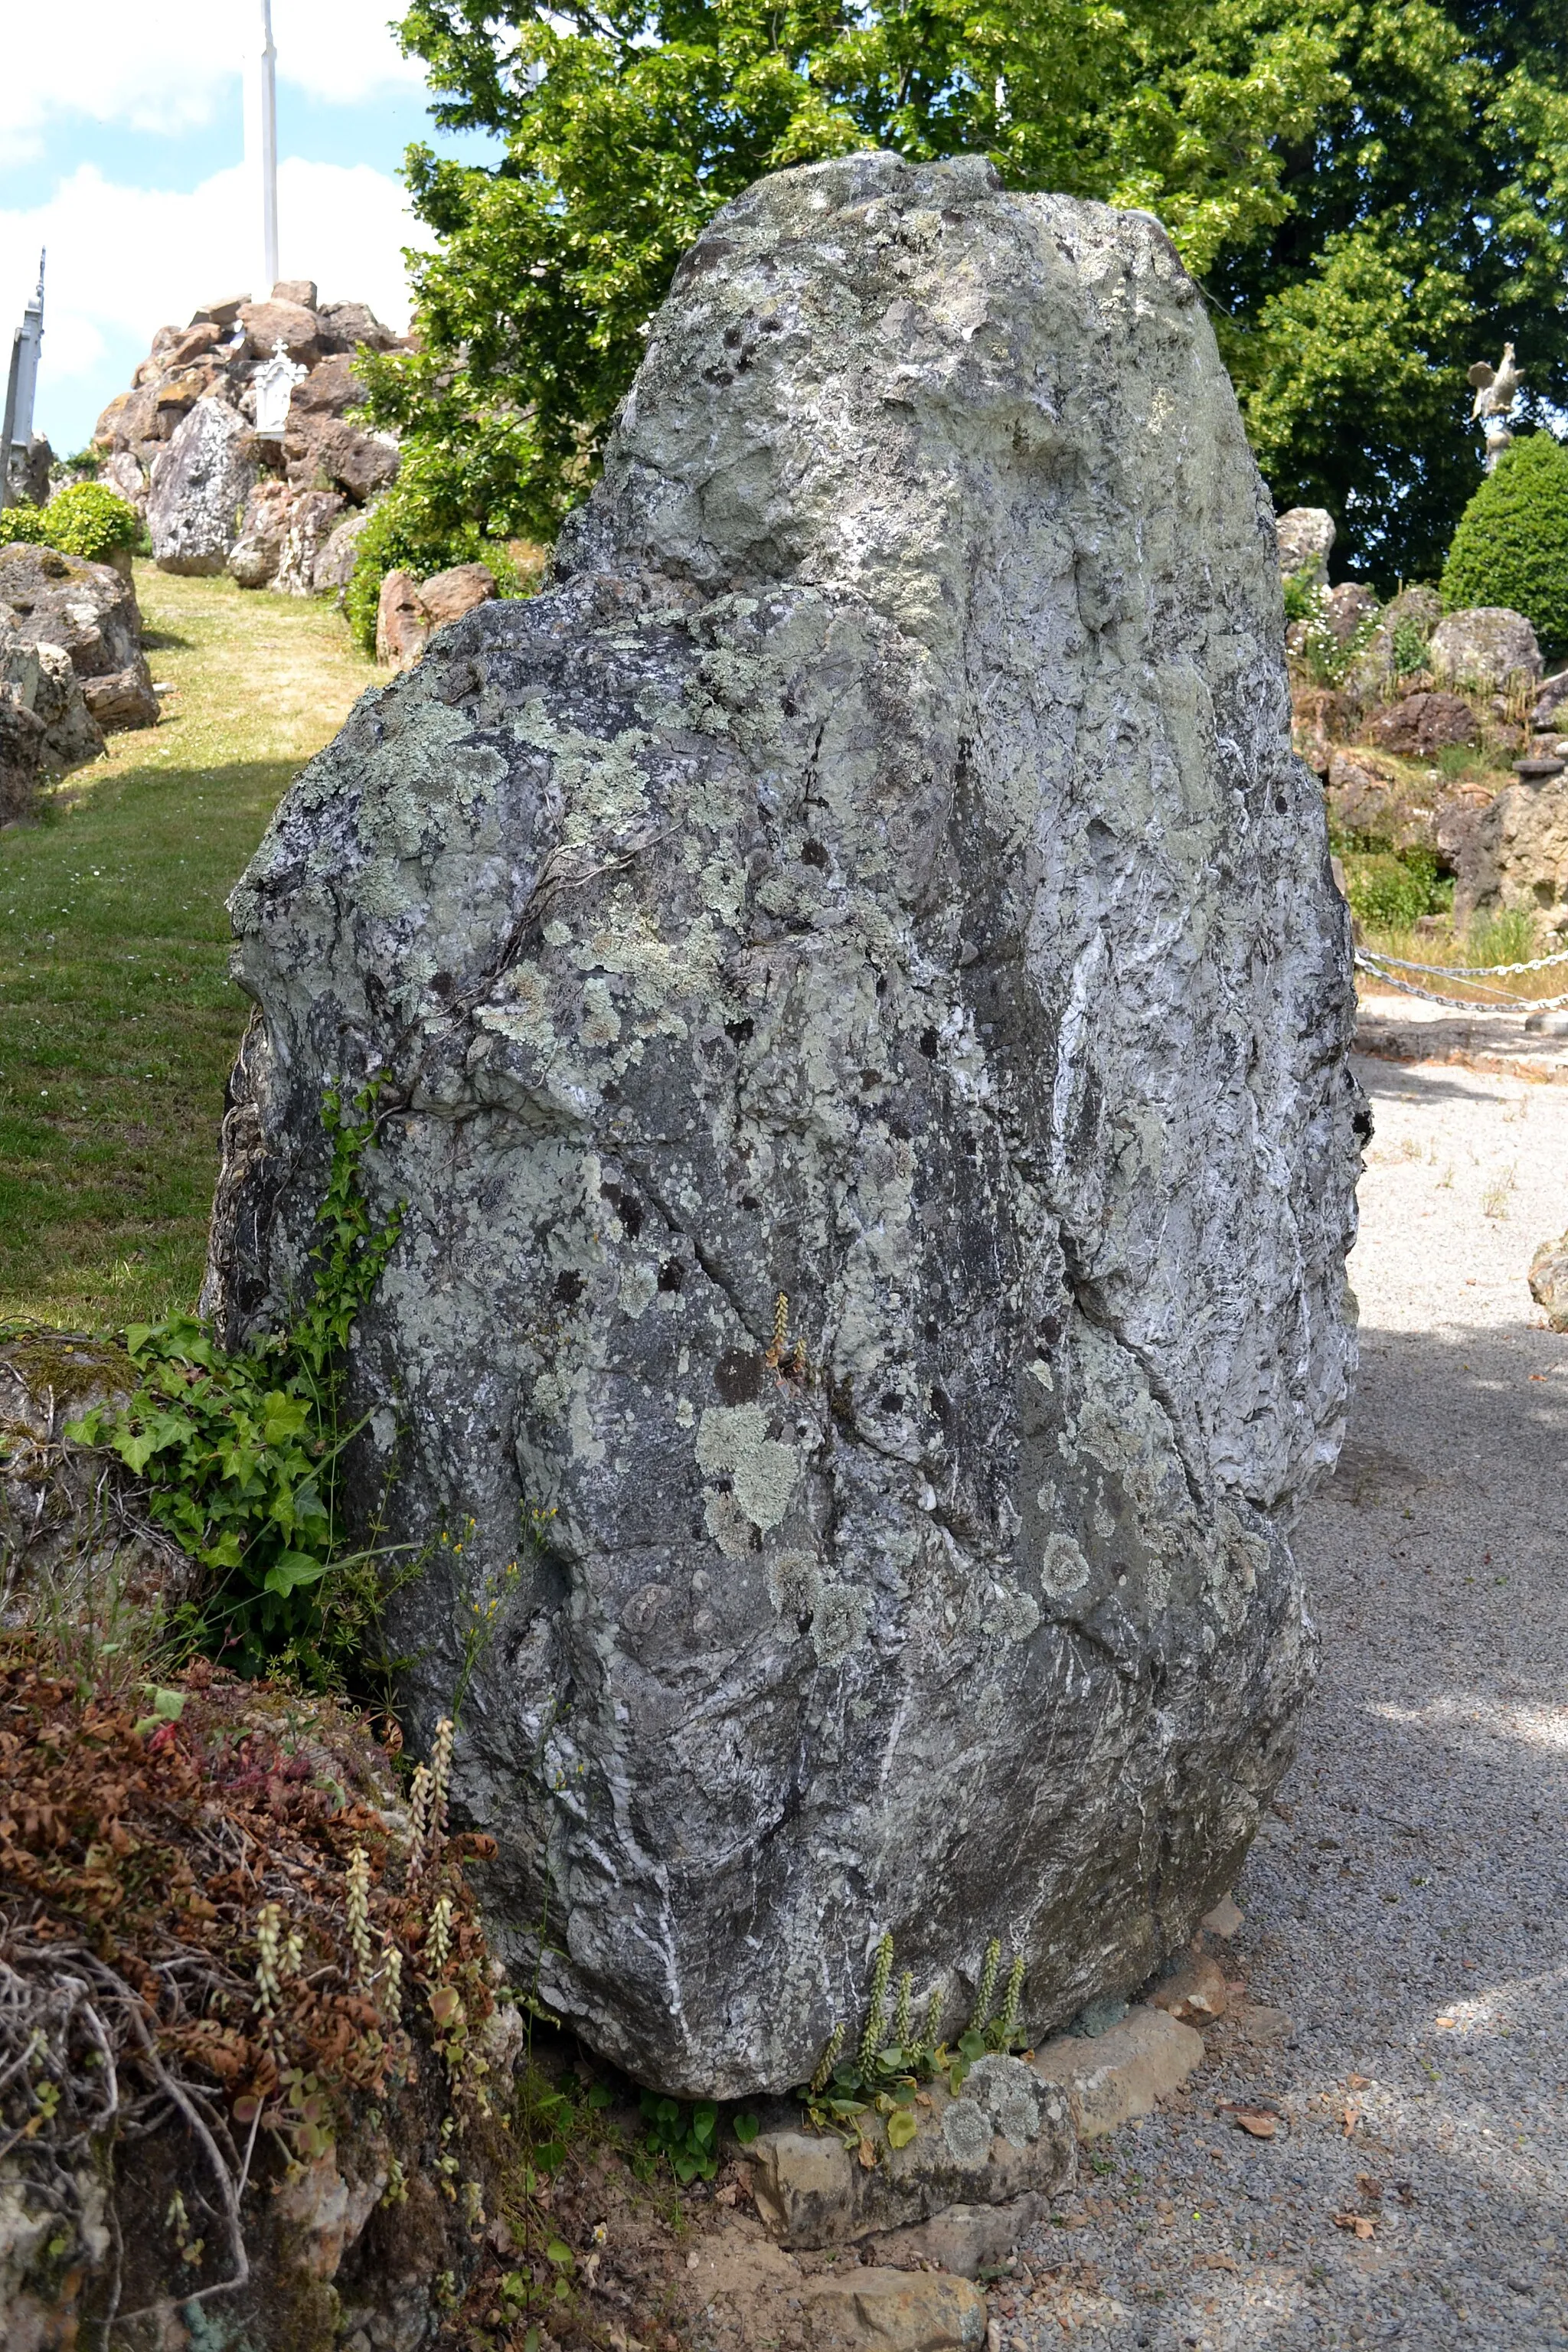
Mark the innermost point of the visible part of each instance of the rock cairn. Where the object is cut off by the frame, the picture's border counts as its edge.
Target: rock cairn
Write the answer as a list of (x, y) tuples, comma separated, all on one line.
[(180, 444), (861, 1010)]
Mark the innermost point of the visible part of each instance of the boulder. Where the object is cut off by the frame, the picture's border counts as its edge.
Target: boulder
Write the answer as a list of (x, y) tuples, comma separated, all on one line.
[(310, 526), (1408, 618), (1419, 726), (335, 563), (1484, 647), (1553, 695), (223, 313), (301, 291), (873, 2309), (121, 474), (861, 1013), (1005, 2135), (1321, 718), (200, 486), (448, 595), (329, 389), (1515, 859), (88, 609), (402, 623), (1549, 1281), (345, 326), (1347, 608), (254, 558), (338, 453), (1305, 535), (1109, 2079), (72, 733), (21, 729), (106, 432), (30, 471), (268, 324), (123, 699)]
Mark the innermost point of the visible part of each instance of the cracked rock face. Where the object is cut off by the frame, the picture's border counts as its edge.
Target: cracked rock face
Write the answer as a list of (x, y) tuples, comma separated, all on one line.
[(875, 872)]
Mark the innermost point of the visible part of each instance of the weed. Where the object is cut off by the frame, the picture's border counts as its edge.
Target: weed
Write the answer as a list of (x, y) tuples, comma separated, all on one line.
[(883, 2076), (239, 1452), (1495, 1198)]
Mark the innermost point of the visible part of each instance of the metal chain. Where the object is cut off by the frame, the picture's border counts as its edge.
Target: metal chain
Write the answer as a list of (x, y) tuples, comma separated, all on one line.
[(1459, 1004), (1472, 970)]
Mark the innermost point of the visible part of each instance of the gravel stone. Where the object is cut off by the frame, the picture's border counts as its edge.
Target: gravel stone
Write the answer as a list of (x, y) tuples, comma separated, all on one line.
[(1413, 1871)]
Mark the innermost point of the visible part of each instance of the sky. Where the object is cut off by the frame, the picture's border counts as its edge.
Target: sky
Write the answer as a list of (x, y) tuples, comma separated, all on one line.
[(123, 151)]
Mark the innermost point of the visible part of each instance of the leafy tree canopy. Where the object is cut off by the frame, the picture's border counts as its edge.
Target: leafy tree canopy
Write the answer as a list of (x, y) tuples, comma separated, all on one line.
[(1371, 195)]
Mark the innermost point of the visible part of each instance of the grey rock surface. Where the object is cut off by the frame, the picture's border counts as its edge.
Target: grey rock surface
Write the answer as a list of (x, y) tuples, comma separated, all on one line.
[(84, 617), (199, 490), (1306, 538), (1515, 859), (1484, 645), (875, 874)]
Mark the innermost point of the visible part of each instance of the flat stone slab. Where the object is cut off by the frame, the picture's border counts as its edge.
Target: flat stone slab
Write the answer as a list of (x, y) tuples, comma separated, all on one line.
[(1120, 2074), (1403, 1029), (895, 2311), (1011, 2133)]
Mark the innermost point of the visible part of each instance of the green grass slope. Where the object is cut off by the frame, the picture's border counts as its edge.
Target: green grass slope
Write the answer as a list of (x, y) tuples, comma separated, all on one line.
[(118, 1020)]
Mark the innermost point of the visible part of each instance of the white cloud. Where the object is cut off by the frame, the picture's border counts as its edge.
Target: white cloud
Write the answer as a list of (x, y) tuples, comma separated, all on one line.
[(172, 65), (122, 261)]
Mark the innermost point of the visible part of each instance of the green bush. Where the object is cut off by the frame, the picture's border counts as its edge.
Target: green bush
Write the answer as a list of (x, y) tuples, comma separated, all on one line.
[(89, 520), (1511, 545), (24, 523), (86, 521), (1391, 893), (239, 1454)]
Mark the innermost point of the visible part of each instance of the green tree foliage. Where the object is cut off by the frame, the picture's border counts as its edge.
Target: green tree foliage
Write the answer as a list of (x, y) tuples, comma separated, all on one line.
[(1371, 194), (1511, 545), (1427, 222)]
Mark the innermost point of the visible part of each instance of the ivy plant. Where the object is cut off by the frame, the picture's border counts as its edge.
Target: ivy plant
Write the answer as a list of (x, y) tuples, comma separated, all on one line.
[(239, 1452)]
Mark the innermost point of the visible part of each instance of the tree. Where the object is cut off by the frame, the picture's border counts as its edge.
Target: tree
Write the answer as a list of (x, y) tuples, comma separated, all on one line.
[(1350, 276), (1426, 223)]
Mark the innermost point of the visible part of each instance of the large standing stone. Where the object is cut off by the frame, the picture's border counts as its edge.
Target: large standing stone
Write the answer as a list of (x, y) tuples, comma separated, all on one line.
[(200, 485), (877, 872)]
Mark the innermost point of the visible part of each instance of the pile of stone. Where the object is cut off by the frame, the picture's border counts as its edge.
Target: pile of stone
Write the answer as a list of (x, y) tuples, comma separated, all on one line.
[(181, 443), (1479, 686)]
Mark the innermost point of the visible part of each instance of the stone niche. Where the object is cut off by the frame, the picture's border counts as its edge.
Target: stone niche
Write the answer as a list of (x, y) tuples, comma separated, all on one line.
[(874, 875)]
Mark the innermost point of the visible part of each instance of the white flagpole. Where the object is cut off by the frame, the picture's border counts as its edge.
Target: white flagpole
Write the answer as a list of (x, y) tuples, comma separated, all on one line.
[(268, 145)]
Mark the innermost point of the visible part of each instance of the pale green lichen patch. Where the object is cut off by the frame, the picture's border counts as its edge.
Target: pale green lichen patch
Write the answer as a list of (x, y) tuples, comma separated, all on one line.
[(763, 1473)]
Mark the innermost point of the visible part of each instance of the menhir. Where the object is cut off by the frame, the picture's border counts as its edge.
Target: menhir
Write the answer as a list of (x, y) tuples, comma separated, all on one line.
[(875, 876)]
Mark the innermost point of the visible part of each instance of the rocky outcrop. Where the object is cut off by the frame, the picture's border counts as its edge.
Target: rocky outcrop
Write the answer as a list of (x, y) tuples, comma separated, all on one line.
[(1306, 538), (199, 490), (1516, 859), (196, 377), (88, 612), (1404, 627), (861, 1012), (1485, 647)]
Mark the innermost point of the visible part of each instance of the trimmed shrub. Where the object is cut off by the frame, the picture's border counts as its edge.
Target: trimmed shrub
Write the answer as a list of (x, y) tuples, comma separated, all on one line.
[(86, 521), (1511, 545), (25, 523), (89, 520)]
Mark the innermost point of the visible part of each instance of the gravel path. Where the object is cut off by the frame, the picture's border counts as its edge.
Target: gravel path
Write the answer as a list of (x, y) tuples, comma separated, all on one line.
[(1407, 1906)]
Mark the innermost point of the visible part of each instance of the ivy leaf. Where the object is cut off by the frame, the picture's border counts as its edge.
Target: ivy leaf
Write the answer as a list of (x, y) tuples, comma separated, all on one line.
[(291, 1569)]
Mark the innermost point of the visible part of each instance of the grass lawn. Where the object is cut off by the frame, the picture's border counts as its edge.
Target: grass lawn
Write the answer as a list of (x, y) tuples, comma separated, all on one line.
[(118, 1020)]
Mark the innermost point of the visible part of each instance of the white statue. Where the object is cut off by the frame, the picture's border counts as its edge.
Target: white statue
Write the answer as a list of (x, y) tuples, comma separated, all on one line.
[(275, 384), (1496, 391)]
